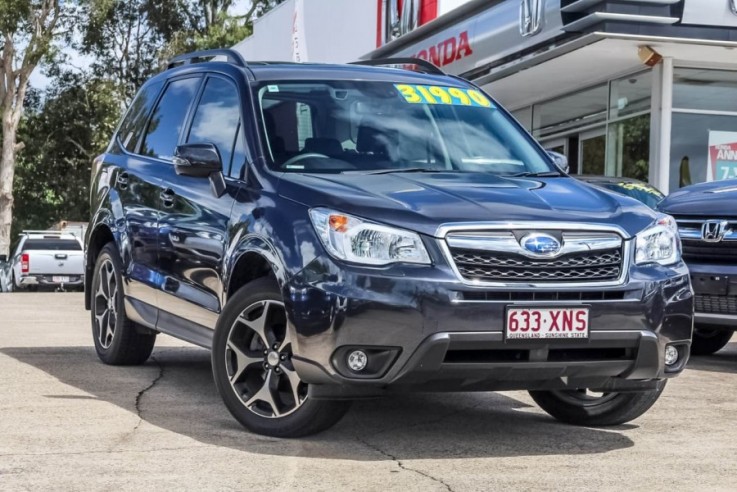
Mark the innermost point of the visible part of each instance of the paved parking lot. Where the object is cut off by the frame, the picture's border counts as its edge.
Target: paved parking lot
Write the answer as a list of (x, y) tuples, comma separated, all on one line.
[(69, 422)]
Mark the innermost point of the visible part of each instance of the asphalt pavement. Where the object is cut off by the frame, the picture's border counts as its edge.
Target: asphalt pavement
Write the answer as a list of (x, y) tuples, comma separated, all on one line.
[(68, 422)]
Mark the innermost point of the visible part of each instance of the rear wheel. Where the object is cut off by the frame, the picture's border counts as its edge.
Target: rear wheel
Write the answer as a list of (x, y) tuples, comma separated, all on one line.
[(583, 407), (707, 339), (253, 370), (118, 340)]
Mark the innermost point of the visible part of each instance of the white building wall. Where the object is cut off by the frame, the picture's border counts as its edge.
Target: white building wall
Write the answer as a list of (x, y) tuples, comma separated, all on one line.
[(335, 31)]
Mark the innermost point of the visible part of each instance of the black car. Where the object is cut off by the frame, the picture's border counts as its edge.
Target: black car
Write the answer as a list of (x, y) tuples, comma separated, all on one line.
[(334, 232), (647, 194), (707, 222)]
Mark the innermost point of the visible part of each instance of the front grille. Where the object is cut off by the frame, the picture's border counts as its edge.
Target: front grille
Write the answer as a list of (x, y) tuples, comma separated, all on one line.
[(482, 356), (706, 303), (495, 266), (697, 250), (543, 295), (701, 251)]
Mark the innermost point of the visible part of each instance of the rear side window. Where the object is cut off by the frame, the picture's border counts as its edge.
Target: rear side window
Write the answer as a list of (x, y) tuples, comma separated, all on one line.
[(168, 118), (52, 245), (132, 126), (217, 117)]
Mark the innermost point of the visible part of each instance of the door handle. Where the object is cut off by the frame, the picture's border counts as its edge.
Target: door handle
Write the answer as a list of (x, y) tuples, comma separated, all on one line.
[(123, 180), (167, 197)]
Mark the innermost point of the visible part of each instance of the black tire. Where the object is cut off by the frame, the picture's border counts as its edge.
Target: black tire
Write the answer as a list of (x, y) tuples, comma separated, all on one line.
[(577, 408), (292, 413), (708, 339), (126, 343)]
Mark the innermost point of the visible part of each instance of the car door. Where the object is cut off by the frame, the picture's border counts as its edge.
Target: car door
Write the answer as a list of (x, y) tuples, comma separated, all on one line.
[(156, 153), (193, 228), (134, 195)]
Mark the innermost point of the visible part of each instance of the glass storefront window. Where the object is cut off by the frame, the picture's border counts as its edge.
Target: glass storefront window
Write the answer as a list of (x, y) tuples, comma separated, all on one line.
[(577, 110), (630, 95), (689, 154), (711, 90), (593, 153), (628, 148)]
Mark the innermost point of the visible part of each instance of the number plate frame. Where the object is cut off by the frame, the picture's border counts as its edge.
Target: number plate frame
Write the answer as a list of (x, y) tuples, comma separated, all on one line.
[(518, 307), (60, 279)]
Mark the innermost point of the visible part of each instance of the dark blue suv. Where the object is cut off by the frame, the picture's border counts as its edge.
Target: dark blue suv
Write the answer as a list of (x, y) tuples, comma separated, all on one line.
[(334, 232)]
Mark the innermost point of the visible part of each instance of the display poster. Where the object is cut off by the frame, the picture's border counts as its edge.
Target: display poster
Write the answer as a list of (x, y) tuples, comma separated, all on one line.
[(722, 156)]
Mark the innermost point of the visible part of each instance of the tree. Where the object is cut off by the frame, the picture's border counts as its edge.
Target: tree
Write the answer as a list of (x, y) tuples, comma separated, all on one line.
[(62, 136), (27, 29)]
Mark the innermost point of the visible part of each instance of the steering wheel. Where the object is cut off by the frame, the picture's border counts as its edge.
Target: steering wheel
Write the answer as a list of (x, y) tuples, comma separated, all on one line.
[(308, 155)]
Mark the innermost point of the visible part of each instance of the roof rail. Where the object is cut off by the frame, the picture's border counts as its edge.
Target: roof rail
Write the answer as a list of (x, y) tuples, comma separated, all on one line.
[(419, 62), (188, 58), (48, 233)]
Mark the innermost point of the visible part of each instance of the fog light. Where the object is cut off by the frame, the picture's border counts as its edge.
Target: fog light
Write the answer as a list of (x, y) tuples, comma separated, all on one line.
[(357, 360), (671, 355)]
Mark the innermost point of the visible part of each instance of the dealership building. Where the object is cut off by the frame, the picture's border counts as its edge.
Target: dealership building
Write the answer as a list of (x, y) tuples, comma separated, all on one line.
[(637, 88)]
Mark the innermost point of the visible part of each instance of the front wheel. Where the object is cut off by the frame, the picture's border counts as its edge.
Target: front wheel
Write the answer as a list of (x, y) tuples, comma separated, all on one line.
[(708, 340), (253, 370), (582, 407)]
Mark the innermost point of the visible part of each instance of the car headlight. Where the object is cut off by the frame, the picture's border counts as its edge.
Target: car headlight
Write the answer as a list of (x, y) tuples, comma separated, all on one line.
[(352, 239), (659, 243)]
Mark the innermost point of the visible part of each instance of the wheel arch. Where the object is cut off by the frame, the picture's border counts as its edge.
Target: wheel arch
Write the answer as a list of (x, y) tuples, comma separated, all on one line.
[(100, 236), (254, 258)]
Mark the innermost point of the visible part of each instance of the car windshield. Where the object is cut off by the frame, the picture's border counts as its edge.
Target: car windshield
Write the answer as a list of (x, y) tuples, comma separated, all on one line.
[(365, 127), (640, 191)]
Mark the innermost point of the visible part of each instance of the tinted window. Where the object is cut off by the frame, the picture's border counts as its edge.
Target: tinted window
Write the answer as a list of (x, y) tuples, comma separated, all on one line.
[(216, 118), (52, 244), (135, 120), (168, 118)]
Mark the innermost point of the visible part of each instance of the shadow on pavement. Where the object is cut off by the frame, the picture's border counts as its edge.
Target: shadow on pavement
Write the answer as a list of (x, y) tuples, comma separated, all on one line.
[(723, 361), (421, 426)]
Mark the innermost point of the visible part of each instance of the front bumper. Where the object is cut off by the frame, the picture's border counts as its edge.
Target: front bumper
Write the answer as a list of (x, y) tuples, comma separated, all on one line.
[(438, 334), (715, 289)]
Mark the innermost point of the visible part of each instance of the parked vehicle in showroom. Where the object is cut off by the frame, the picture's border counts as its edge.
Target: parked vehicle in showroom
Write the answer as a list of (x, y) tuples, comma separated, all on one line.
[(47, 259), (334, 232), (707, 221), (639, 190)]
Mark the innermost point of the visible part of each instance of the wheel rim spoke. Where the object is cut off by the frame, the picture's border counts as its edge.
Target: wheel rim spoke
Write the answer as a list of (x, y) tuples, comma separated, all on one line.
[(105, 307), (266, 395), (243, 361), (294, 383)]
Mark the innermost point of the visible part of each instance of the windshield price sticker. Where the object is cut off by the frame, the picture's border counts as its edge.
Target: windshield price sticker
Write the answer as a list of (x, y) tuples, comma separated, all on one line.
[(450, 96)]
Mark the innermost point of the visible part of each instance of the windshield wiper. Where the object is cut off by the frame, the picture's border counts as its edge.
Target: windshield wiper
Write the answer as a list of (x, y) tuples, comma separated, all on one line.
[(403, 170), (528, 174)]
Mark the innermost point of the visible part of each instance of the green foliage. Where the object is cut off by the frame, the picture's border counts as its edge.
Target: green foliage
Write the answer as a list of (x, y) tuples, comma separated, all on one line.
[(61, 139)]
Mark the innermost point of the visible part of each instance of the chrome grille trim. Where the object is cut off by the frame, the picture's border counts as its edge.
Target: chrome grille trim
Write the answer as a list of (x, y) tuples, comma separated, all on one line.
[(464, 232)]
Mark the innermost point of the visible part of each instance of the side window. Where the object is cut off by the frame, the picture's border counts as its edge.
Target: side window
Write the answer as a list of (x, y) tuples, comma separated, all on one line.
[(240, 155), (168, 118), (134, 122), (217, 117)]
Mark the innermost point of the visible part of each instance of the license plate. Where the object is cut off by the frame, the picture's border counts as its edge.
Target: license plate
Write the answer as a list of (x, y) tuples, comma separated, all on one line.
[(60, 280), (534, 322)]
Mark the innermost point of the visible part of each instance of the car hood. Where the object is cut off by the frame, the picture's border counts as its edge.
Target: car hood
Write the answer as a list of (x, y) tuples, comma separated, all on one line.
[(424, 201), (707, 199)]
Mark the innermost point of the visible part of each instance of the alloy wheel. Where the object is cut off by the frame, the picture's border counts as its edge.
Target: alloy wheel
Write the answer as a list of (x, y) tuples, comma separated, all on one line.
[(258, 359), (105, 304)]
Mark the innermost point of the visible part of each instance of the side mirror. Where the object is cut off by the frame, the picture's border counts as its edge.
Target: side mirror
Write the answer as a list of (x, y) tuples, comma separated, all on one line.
[(197, 160), (3, 258), (560, 161)]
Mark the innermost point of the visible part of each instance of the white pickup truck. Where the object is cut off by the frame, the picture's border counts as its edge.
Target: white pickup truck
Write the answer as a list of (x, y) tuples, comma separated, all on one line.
[(47, 258)]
